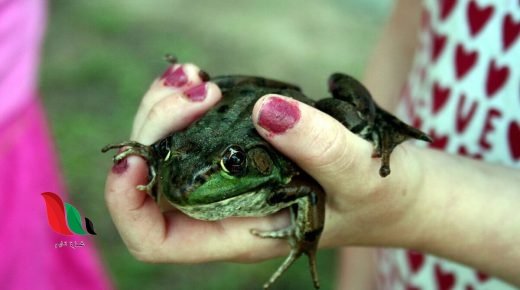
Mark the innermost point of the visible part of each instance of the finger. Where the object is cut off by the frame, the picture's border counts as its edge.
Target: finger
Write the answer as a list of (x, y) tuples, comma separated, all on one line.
[(136, 216), (318, 143), (176, 78), (176, 111), (152, 236), (193, 241)]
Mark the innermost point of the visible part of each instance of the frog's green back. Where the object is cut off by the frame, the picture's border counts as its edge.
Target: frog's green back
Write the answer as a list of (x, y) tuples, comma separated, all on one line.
[(229, 122)]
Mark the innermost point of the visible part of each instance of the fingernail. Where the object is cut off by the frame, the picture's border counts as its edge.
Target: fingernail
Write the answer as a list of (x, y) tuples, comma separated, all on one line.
[(278, 115), (120, 167), (196, 93), (175, 77)]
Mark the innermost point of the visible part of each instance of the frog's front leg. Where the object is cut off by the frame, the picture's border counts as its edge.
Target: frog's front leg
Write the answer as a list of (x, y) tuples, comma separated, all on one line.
[(307, 221), (355, 108), (135, 148)]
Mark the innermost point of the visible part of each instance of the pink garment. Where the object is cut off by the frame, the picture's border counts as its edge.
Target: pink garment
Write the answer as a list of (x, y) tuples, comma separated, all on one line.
[(29, 256), (464, 90), (21, 28)]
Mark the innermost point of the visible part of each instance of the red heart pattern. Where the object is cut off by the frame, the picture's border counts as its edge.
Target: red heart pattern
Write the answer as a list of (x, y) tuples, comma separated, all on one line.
[(464, 61), (446, 6), (440, 97), (478, 16), (415, 260), (496, 78), (439, 142), (482, 277), (510, 31), (513, 135), (438, 43), (465, 92), (445, 279)]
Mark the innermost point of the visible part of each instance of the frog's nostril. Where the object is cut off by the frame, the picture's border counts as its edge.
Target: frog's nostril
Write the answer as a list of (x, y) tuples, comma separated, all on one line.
[(200, 179)]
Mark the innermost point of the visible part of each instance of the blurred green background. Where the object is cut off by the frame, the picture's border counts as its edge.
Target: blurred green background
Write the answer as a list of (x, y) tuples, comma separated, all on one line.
[(101, 55)]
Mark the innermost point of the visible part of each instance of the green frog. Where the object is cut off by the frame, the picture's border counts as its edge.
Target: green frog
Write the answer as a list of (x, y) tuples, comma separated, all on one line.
[(221, 167)]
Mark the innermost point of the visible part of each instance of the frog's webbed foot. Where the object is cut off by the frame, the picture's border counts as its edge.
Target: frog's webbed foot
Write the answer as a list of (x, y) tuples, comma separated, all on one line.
[(364, 117), (135, 148), (307, 204), (290, 235), (389, 132), (285, 233)]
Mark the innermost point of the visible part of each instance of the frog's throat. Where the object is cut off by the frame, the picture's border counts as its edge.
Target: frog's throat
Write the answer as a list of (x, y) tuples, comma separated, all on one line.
[(250, 204)]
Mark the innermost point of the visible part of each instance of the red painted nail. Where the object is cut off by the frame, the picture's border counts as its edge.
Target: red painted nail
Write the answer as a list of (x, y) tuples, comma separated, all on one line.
[(197, 93), (120, 167), (175, 77), (278, 115)]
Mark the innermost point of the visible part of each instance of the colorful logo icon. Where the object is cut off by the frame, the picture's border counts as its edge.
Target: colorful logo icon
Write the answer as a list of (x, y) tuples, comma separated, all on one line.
[(57, 210)]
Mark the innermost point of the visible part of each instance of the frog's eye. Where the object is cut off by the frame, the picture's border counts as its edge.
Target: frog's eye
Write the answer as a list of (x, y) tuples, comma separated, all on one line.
[(234, 160), (162, 148)]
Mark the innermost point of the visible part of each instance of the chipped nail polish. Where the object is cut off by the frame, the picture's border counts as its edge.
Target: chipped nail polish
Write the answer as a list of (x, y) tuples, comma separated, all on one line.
[(278, 115), (197, 93), (120, 167), (175, 77)]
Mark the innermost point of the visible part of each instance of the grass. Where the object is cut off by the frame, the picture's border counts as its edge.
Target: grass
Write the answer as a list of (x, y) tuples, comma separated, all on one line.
[(100, 57)]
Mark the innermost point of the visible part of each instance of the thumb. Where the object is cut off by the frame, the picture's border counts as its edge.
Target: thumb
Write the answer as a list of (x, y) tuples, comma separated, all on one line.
[(315, 141)]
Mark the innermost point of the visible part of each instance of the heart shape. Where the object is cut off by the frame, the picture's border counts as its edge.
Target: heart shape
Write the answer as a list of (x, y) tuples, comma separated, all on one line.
[(478, 16), (496, 78), (415, 260), (440, 97), (446, 7), (510, 31), (482, 277), (438, 43), (513, 135), (439, 142), (464, 61), (445, 279)]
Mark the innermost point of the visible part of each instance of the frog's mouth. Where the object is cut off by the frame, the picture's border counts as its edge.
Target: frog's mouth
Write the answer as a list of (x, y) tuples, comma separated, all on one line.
[(183, 193)]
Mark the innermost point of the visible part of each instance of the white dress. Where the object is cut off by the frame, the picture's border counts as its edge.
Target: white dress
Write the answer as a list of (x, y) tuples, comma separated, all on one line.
[(463, 90)]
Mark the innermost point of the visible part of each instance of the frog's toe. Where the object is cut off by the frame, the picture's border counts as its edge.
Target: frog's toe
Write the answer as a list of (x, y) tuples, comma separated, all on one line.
[(295, 254), (278, 234), (122, 155), (384, 171), (129, 148), (147, 188)]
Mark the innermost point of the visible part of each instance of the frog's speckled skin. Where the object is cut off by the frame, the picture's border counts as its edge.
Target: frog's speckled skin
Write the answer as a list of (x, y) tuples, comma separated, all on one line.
[(189, 169)]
